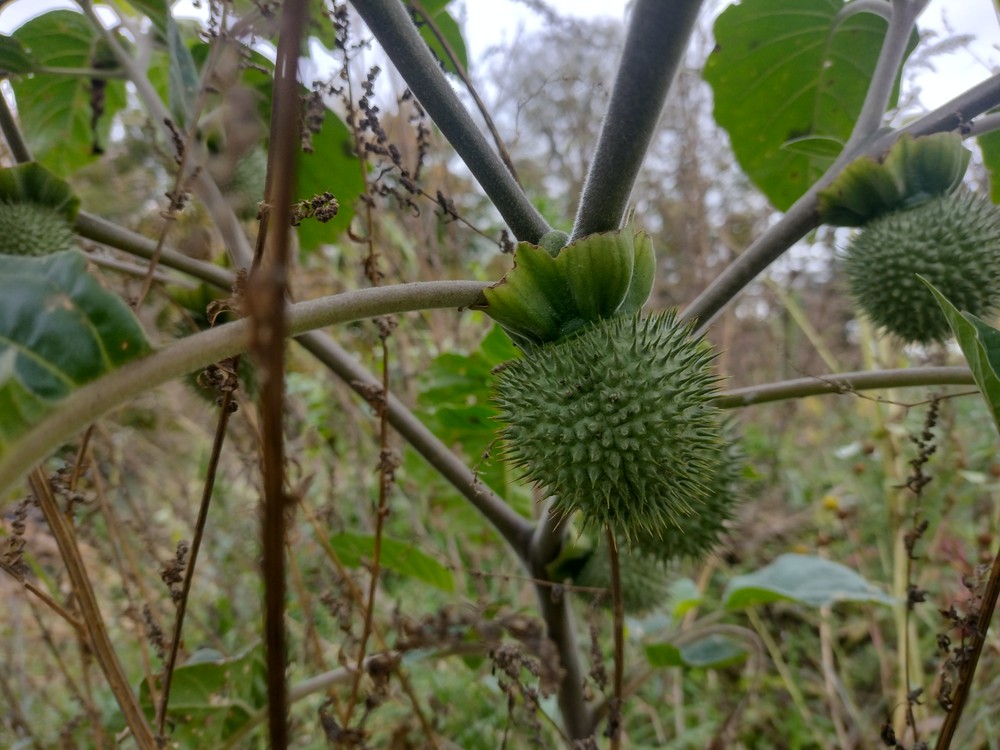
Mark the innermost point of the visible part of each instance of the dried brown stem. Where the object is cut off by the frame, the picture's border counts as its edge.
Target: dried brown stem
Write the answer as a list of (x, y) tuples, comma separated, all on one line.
[(967, 670), (98, 638), (199, 533)]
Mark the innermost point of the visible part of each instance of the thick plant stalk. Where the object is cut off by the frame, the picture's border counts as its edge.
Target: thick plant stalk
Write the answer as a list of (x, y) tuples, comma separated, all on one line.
[(515, 529), (401, 41), (200, 350), (901, 21), (657, 37), (265, 301)]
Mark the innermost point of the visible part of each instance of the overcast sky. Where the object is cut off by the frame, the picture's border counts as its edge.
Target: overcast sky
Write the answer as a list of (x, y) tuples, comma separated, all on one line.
[(498, 21)]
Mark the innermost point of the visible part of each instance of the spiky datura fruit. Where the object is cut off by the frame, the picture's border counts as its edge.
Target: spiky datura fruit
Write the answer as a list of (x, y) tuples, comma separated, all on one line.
[(953, 241), (644, 580), (617, 422), (32, 229), (36, 211)]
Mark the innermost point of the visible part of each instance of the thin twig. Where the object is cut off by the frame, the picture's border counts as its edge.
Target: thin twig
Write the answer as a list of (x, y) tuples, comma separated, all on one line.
[(45, 599), (464, 75), (618, 695), (381, 511), (841, 383), (199, 533), (967, 670)]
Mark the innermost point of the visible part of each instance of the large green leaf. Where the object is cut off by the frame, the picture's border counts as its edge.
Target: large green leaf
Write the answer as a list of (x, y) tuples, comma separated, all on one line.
[(59, 329), (813, 581), (331, 167), (436, 12), (789, 86), (14, 58), (683, 596), (157, 11), (456, 403), (989, 145), (394, 555), (56, 110), (980, 344)]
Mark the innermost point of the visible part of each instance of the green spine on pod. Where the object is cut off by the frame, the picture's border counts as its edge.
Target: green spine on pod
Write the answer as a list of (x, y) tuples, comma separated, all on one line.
[(700, 532)]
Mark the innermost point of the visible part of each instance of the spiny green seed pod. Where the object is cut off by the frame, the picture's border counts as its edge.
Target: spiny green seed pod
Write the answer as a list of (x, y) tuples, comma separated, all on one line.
[(644, 580), (952, 241), (32, 229), (700, 532), (616, 422), (36, 211)]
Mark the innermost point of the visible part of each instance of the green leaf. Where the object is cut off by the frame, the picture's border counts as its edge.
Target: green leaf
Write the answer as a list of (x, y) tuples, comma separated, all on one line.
[(331, 167), (436, 12), (544, 297), (683, 596), (787, 90), (456, 403), (14, 58), (663, 655), (805, 579), (980, 343), (395, 555), (59, 329), (183, 78), (211, 696), (56, 110), (711, 652), (989, 145), (157, 11)]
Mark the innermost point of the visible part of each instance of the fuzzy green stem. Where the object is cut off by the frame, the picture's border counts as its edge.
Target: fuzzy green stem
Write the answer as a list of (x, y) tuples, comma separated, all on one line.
[(91, 401), (901, 20), (843, 383), (657, 38)]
